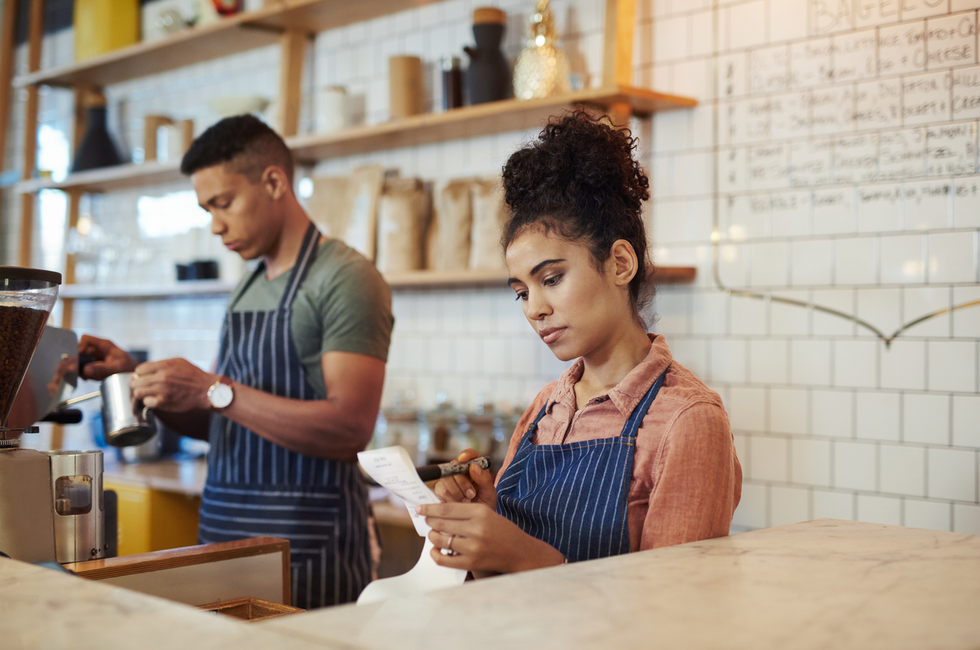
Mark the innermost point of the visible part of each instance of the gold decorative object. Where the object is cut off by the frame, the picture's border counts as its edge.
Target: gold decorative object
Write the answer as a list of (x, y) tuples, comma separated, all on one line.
[(542, 69)]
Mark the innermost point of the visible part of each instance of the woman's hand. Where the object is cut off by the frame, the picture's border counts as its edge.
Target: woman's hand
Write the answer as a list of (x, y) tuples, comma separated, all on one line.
[(477, 487), (483, 541)]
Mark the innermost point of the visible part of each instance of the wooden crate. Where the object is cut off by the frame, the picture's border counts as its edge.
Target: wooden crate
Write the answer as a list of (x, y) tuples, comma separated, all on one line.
[(250, 609)]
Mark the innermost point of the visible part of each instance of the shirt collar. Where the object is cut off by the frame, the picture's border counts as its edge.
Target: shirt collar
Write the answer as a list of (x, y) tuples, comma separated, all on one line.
[(628, 392)]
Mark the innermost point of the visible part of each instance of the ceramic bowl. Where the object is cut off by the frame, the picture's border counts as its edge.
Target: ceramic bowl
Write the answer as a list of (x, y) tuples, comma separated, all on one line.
[(238, 105)]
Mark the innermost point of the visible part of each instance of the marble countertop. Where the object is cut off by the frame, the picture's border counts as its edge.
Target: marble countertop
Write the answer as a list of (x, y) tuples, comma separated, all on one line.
[(821, 584), (54, 610), (180, 475)]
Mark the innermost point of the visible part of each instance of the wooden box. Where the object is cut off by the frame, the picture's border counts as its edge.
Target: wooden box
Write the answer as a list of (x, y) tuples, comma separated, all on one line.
[(250, 609)]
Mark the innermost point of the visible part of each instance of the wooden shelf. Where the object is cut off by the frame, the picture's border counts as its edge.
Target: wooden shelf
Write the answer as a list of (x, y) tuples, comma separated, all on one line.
[(674, 274), (472, 121), (498, 279), (140, 292), (408, 280), (469, 121), (435, 279), (108, 178), (223, 38)]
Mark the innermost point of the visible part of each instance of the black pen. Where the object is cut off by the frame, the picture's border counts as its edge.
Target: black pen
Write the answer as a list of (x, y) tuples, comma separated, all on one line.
[(452, 468)]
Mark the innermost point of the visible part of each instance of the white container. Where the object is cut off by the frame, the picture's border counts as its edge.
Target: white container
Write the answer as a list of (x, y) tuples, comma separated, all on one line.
[(332, 112)]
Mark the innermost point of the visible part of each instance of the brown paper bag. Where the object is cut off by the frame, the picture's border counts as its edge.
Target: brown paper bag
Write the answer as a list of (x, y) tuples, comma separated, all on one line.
[(490, 214), (346, 207), (403, 217), (448, 247)]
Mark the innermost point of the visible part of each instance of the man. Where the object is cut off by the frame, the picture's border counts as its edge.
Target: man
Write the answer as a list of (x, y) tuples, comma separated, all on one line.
[(300, 370)]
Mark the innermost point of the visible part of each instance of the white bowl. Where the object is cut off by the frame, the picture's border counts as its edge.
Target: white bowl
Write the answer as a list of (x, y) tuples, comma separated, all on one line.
[(238, 105)]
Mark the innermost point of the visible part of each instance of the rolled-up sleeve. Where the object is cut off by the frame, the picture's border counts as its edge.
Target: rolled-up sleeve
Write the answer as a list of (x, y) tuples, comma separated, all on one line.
[(697, 482)]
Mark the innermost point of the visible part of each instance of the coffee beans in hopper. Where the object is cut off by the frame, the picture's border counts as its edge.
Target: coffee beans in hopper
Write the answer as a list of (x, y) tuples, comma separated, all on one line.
[(20, 331)]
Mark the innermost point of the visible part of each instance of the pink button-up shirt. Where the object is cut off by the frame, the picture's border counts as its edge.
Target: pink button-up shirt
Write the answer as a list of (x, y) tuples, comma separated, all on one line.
[(686, 479)]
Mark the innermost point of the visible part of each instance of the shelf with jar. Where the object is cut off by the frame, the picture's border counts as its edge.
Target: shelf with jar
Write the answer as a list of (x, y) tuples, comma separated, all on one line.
[(230, 35), (405, 280), (291, 24), (466, 122)]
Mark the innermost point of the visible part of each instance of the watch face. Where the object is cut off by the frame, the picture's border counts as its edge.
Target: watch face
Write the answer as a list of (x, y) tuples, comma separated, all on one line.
[(220, 395)]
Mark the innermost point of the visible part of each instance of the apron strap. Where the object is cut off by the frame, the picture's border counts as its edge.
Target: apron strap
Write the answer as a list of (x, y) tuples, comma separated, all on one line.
[(640, 411), (311, 239), (241, 289), (635, 418), (303, 262)]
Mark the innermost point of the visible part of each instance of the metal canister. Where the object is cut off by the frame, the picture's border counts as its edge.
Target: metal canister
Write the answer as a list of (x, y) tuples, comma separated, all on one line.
[(124, 422), (79, 506)]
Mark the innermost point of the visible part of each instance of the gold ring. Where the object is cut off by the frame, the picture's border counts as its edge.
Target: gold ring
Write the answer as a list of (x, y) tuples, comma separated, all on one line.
[(449, 545)]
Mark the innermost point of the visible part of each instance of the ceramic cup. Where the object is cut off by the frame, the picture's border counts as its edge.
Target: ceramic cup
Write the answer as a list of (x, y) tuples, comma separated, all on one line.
[(332, 113)]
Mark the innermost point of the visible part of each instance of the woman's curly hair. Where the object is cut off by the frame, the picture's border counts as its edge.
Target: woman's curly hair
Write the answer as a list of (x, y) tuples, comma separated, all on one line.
[(579, 179)]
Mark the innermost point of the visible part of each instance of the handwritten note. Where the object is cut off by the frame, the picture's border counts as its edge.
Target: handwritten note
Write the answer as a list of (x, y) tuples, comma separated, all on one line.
[(768, 167), (790, 117), (966, 93), (855, 55), (810, 162), (925, 98), (878, 104), (927, 205), (902, 48), (879, 207), (828, 16), (810, 63), (731, 170), (902, 153), (856, 158), (768, 70), (831, 110), (951, 40), (951, 149)]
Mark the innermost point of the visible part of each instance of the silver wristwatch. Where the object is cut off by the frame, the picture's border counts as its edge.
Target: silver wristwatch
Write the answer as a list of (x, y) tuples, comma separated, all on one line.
[(221, 394)]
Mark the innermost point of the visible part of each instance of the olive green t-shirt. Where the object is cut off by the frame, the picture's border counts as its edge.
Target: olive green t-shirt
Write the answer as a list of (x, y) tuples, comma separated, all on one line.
[(342, 305)]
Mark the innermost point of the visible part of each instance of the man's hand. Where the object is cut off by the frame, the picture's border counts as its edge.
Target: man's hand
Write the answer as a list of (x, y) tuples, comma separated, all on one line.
[(483, 541), (477, 487), (172, 385), (109, 358)]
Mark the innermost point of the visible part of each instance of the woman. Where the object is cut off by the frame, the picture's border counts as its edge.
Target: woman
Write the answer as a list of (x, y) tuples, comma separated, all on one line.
[(628, 450)]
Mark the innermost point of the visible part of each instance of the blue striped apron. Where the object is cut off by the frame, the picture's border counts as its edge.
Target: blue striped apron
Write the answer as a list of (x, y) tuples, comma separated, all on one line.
[(255, 487), (574, 496)]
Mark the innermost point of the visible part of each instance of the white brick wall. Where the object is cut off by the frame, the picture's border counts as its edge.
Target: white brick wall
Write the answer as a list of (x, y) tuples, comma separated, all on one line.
[(846, 151)]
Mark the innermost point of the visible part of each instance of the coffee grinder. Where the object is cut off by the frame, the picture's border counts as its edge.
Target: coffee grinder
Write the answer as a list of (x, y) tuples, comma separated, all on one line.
[(41, 494)]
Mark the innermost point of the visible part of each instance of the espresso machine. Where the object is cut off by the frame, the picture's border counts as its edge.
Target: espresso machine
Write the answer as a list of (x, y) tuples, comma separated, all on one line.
[(51, 503)]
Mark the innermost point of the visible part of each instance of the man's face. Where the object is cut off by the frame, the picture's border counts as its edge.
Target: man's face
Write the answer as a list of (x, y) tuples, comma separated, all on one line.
[(243, 214)]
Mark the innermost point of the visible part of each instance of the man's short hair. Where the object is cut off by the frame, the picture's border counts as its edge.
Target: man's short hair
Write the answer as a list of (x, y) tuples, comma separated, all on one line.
[(243, 142)]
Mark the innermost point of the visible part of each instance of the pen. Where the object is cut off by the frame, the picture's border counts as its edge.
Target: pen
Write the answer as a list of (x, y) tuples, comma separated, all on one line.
[(453, 467)]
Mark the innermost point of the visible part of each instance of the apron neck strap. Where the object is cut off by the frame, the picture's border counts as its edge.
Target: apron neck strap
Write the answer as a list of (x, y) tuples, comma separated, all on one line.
[(303, 262), (640, 411), (311, 239), (635, 418)]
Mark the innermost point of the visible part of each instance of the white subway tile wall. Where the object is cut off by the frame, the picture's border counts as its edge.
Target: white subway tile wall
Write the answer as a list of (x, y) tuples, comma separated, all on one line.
[(846, 168), (834, 153)]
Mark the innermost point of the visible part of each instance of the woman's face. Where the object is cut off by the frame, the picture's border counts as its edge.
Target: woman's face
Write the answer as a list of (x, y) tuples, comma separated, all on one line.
[(573, 307)]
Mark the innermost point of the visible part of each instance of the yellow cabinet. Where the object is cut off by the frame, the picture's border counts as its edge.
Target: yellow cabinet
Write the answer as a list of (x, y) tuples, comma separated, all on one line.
[(153, 520)]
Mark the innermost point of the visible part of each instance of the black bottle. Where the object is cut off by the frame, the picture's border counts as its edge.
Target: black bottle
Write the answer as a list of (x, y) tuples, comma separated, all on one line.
[(488, 76)]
